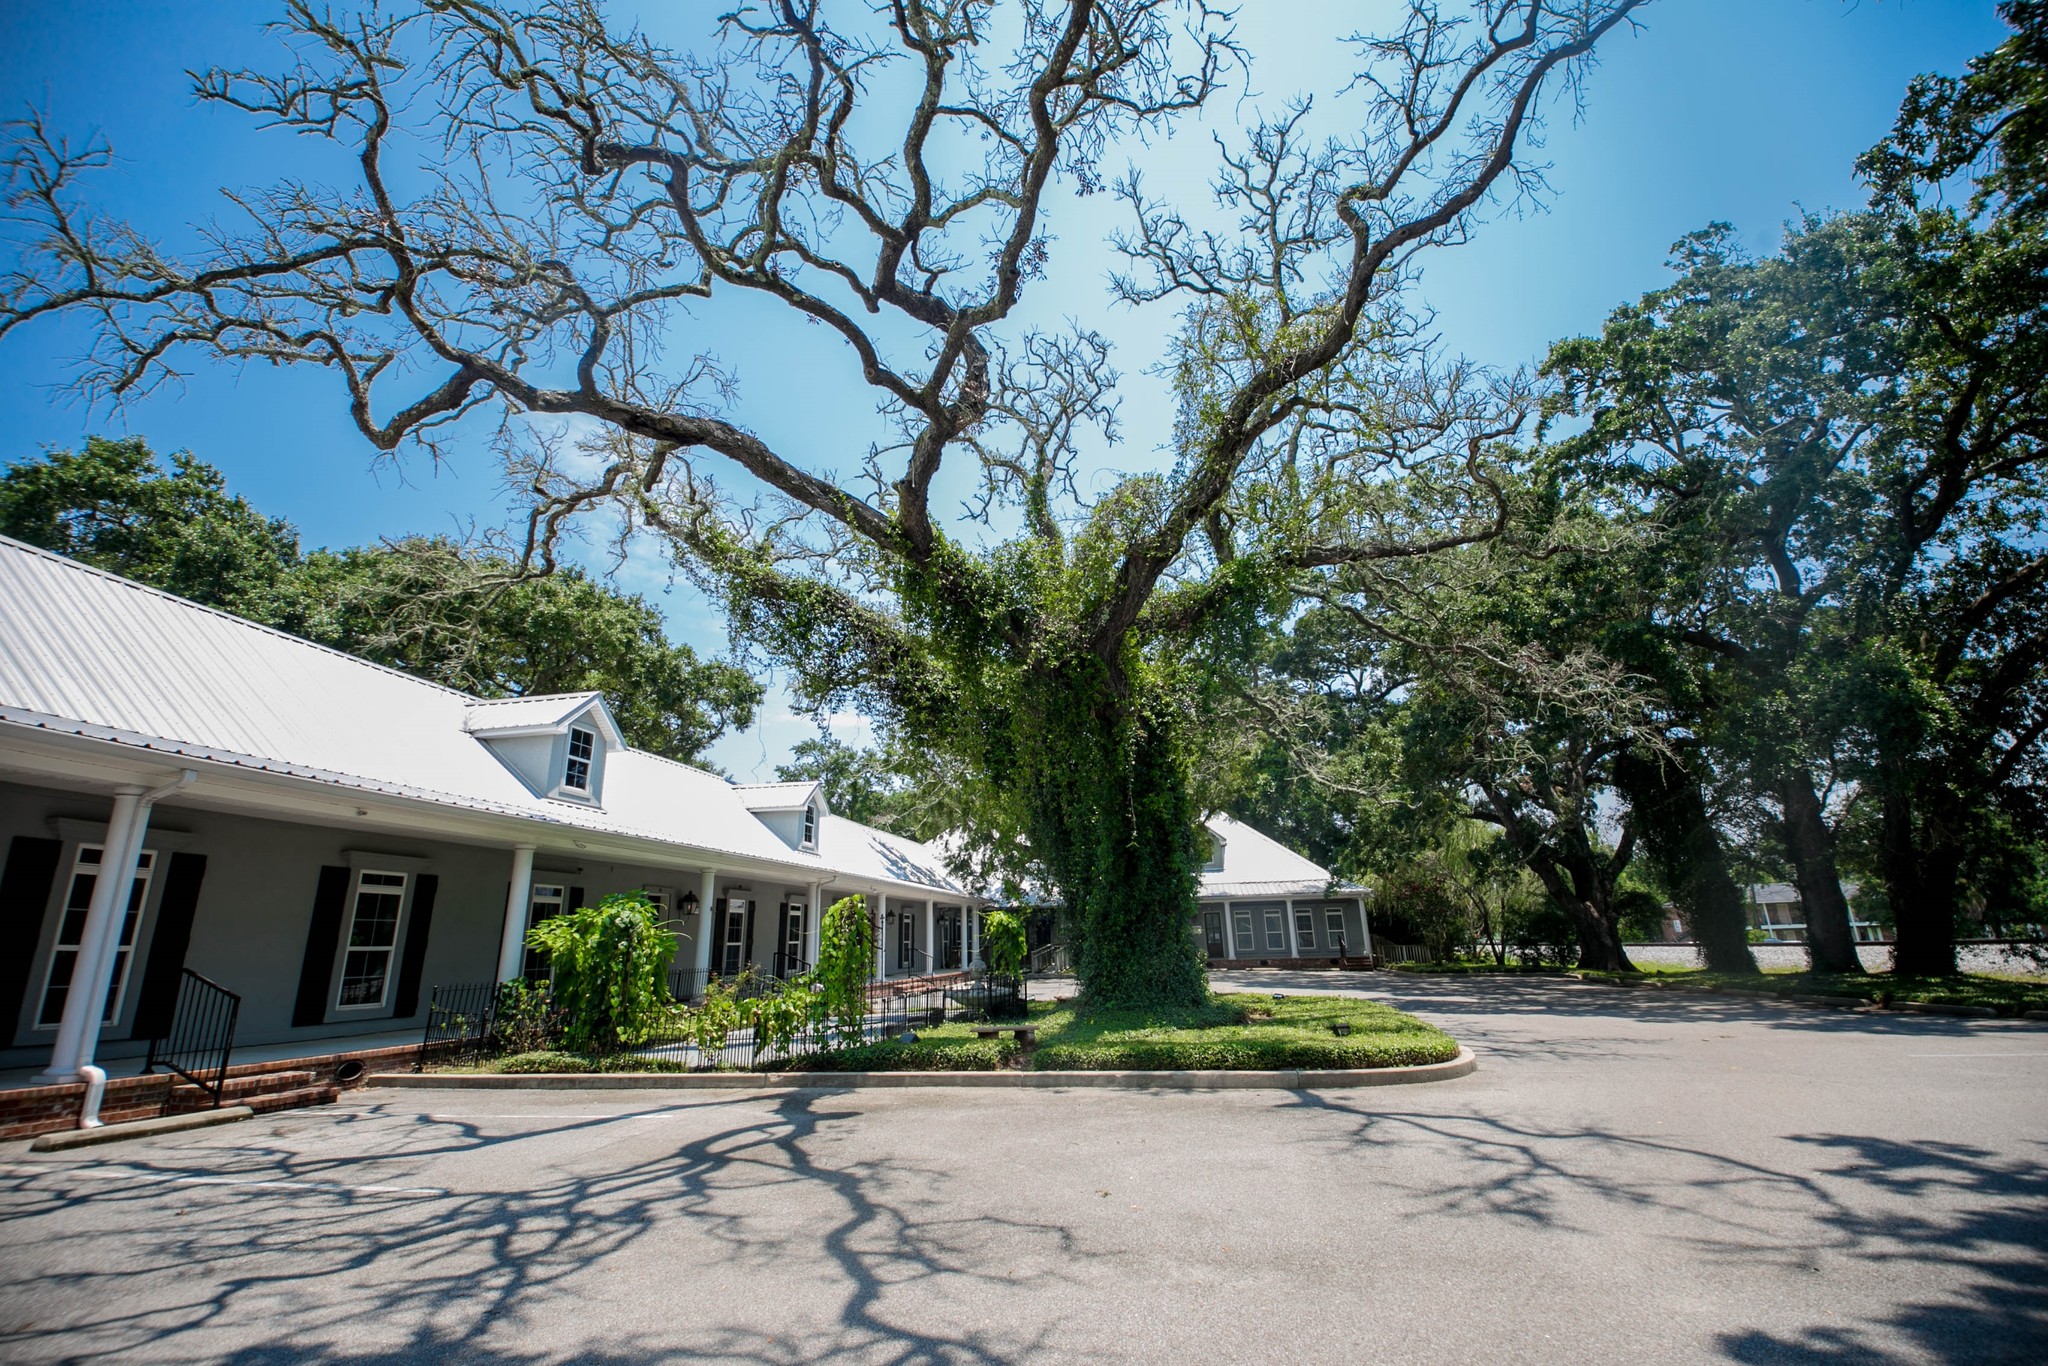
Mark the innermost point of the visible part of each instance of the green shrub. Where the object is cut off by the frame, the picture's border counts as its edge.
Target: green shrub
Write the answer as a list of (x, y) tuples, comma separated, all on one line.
[(1239, 1032), (926, 1055), (543, 1061), (526, 1020), (1002, 943), (610, 970)]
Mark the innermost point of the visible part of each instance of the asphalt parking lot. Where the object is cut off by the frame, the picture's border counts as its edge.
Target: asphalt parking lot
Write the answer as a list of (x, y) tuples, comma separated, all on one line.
[(1626, 1178)]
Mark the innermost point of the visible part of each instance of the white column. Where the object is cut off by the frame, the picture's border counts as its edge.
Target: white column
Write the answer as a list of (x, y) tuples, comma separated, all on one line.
[(931, 938), (881, 934), (814, 927), (970, 928), (86, 999), (707, 902), (1293, 941), (110, 940), (518, 905), (1365, 927), (1230, 932)]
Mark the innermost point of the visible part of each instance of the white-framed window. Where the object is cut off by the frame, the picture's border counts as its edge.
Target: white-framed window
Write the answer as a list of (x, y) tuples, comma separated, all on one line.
[(545, 901), (810, 826), (1241, 922), (1214, 863), (372, 939), (1305, 929), (1334, 918), (582, 745), (1276, 930), (85, 875)]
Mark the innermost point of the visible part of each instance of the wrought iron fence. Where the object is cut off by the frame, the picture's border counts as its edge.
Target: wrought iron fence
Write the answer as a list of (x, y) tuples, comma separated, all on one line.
[(201, 1036), (480, 1020)]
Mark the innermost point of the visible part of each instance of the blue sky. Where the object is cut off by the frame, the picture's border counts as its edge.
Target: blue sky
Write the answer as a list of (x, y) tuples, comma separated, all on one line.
[(1737, 110)]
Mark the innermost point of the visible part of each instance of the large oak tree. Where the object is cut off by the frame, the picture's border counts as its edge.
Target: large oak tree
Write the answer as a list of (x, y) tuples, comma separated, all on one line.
[(554, 213)]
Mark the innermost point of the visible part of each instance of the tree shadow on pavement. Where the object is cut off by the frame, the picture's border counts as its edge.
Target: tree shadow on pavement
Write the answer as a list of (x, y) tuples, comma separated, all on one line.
[(1977, 1217), (273, 1259)]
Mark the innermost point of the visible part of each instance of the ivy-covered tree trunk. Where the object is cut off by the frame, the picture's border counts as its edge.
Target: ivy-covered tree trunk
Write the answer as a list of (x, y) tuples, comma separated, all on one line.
[(1679, 831), (1830, 942), (1105, 792)]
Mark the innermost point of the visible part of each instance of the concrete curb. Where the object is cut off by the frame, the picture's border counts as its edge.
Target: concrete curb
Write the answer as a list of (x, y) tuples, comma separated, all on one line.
[(139, 1128), (1335, 1079)]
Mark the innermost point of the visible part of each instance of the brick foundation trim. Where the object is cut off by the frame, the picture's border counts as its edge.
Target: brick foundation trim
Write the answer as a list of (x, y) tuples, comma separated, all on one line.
[(26, 1111)]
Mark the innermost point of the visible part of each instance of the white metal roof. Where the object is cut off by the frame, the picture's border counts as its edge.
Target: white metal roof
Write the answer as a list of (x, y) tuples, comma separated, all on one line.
[(87, 653), (1256, 865)]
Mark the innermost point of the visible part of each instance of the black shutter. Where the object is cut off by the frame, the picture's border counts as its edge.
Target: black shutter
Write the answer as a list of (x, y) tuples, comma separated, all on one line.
[(323, 936), (165, 973), (747, 948), (413, 959), (575, 901), (24, 901)]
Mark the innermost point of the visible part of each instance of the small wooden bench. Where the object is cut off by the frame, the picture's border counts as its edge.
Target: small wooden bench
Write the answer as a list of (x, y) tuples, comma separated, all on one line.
[(1027, 1035)]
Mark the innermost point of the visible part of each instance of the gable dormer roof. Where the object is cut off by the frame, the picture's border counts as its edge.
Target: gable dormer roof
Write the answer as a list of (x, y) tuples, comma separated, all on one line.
[(548, 714), (781, 796)]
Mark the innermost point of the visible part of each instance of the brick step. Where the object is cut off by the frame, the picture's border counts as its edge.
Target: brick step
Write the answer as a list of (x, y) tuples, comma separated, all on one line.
[(292, 1100), (121, 1114), (186, 1097)]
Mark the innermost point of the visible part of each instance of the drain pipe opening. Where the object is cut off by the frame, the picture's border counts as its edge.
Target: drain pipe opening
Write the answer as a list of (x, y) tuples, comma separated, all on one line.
[(95, 1079)]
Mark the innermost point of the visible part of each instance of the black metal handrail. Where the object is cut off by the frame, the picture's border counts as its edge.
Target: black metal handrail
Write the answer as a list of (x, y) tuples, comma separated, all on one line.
[(1046, 958), (789, 965), (201, 1036)]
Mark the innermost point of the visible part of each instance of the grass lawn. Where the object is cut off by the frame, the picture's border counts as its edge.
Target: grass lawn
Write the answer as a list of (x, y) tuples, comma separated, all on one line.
[(1236, 1032), (2007, 994)]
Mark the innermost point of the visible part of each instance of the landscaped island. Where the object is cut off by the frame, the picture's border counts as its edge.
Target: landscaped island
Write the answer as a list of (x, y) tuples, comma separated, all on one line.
[(1231, 1032)]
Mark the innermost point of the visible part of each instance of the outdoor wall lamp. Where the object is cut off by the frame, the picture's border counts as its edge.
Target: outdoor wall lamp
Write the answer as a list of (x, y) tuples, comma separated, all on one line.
[(689, 903)]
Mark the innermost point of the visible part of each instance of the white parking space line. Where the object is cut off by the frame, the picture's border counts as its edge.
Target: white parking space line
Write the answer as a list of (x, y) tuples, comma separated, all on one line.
[(147, 1178), (1985, 1056)]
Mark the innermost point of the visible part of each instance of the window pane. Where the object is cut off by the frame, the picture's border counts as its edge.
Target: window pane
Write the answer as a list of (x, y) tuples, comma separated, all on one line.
[(85, 876), (362, 977), (1305, 929)]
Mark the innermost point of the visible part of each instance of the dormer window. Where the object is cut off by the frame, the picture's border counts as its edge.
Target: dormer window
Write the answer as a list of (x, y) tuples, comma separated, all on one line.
[(582, 744), (810, 827), (1215, 863)]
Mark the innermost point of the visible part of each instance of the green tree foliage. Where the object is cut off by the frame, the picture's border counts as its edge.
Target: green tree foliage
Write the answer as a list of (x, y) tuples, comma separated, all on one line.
[(610, 970), (113, 506), (1842, 445), (471, 621), (461, 617), (1992, 122)]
